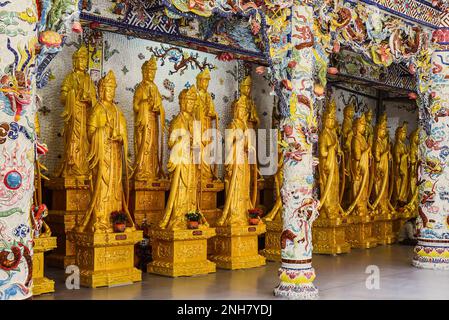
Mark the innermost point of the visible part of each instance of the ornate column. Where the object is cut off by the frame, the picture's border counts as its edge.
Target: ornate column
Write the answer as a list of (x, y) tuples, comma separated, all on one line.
[(432, 251), (22, 54), (299, 136)]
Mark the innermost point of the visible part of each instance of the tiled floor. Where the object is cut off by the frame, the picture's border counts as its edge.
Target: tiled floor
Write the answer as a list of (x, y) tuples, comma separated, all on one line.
[(341, 277)]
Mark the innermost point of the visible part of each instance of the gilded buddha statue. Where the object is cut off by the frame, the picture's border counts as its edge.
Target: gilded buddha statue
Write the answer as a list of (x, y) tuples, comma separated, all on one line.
[(205, 113), (400, 168), (328, 153), (346, 141), (183, 172), (148, 108), (414, 146), (78, 95), (252, 122), (360, 159), (238, 171), (107, 159), (381, 157)]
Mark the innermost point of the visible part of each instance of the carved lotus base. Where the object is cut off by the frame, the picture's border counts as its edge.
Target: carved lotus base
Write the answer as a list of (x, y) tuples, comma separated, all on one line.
[(147, 200), (360, 233), (236, 247), (41, 284), (297, 284), (106, 259), (272, 251), (180, 252), (69, 201), (329, 236), (431, 254), (383, 229)]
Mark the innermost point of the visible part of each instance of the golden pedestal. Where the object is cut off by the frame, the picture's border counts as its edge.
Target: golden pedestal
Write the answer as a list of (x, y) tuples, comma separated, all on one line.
[(41, 284), (208, 204), (180, 252), (272, 251), (359, 233), (236, 247), (147, 200), (329, 236), (383, 229), (69, 201), (106, 259)]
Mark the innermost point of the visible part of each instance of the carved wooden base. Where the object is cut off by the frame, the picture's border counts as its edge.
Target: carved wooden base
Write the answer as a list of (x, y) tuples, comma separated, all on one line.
[(272, 251), (69, 201), (236, 247), (106, 259), (181, 252), (329, 236), (383, 229), (41, 284), (147, 200), (360, 233), (208, 204)]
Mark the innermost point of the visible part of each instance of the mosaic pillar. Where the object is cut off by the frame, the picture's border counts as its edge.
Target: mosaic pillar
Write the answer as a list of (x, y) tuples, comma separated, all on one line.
[(299, 133), (18, 68), (432, 250)]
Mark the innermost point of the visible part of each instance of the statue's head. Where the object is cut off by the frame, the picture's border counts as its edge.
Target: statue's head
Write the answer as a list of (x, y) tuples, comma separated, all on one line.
[(401, 133), (348, 111), (332, 107), (80, 59), (202, 79), (329, 119), (245, 86), (381, 129), (188, 99), (359, 124), (383, 118), (149, 69), (369, 115), (107, 86), (414, 136)]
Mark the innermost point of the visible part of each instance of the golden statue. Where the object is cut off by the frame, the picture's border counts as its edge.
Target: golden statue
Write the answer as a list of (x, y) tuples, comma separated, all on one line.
[(238, 171), (107, 159), (400, 167), (382, 157), (183, 172), (78, 96), (414, 146), (346, 142), (148, 107), (360, 159), (328, 152), (205, 113), (369, 133), (252, 122)]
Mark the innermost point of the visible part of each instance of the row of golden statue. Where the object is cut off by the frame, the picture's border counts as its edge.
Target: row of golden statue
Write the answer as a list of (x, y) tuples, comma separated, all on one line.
[(99, 201), (368, 184)]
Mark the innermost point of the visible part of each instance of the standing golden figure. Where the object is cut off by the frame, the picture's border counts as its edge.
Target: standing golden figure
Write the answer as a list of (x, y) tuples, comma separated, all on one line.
[(359, 234), (93, 237), (252, 123), (384, 211), (329, 228), (148, 183), (346, 141), (411, 209), (108, 160), (181, 167), (236, 243), (177, 250), (401, 168), (70, 186), (78, 96), (205, 113), (210, 184), (148, 108)]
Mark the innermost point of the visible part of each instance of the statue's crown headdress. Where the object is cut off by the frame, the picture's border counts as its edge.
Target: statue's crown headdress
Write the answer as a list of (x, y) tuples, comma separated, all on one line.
[(205, 74), (150, 64), (81, 52), (108, 80), (189, 94)]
